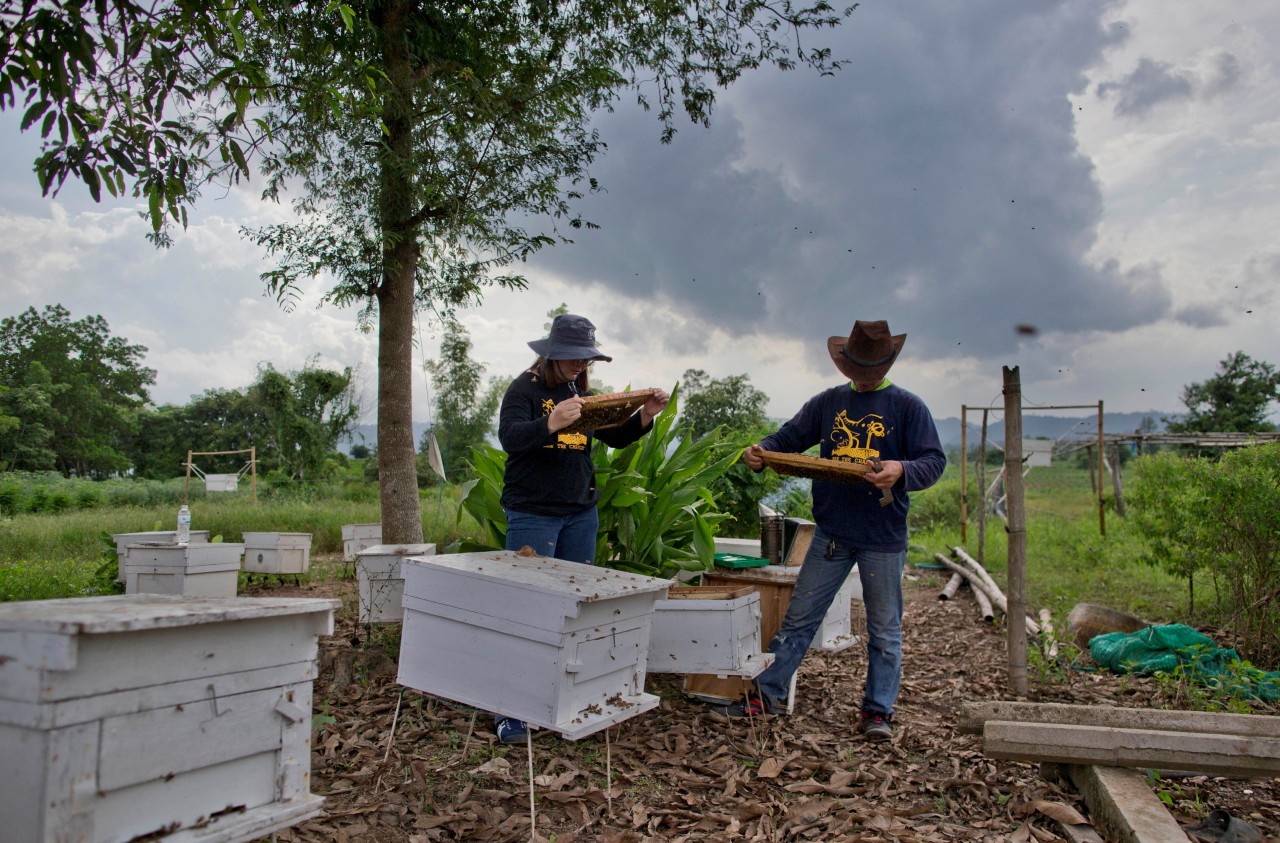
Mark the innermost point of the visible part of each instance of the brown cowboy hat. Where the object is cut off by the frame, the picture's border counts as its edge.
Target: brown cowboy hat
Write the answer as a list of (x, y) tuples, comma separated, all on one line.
[(868, 352)]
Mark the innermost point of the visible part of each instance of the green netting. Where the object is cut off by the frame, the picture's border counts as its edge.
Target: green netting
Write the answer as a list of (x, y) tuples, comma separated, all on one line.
[(1172, 647)]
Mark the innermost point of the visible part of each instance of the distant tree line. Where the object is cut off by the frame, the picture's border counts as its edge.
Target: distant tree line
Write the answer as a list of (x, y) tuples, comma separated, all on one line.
[(75, 399)]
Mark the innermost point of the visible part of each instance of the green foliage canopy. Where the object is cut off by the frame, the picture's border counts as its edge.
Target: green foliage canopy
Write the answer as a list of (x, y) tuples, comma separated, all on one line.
[(418, 134), (1237, 399), (73, 387)]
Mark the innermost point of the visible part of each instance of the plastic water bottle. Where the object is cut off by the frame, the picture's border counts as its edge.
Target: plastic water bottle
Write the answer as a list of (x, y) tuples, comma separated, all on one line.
[(183, 535)]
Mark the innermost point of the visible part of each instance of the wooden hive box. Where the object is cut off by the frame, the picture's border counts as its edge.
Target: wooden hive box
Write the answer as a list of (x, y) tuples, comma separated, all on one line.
[(357, 537), (557, 644), (381, 585), (157, 717), (123, 540), (277, 553), (191, 570), (708, 629)]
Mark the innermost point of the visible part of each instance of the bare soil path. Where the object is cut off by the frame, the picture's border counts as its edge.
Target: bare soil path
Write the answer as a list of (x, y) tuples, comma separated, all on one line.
[(684, 773)]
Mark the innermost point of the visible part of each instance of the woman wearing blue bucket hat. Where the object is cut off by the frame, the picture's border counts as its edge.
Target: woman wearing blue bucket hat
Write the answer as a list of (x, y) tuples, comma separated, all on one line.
[(549, 486)]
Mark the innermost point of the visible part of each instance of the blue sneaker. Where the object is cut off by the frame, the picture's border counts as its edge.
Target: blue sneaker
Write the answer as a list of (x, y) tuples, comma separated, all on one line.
[(511, 730)]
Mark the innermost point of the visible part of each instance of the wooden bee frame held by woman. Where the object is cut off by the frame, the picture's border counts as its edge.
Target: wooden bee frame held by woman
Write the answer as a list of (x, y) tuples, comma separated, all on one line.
[(600, 412)]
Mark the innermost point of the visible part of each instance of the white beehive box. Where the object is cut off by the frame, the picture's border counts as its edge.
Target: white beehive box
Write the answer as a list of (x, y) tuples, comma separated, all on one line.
[(169, 718), (191, 570), (560, 645), (357, 537), (277, 553), (381, 585), (707, 629), (742, 547), (837, 632), (123, 540)]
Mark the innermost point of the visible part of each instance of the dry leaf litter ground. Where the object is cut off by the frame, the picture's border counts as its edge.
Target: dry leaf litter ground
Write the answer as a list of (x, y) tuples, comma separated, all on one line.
[(683, 773)]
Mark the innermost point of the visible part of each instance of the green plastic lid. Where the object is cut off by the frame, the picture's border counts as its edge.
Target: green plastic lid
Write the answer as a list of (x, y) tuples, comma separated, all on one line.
[(736, 560)]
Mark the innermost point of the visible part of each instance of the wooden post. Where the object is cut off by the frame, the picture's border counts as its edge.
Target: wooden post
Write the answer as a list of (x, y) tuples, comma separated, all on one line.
[(186, 492), (1017, 556), (964, 466), (1102, 511), (1117, 485), (253, 472), (982, 491)]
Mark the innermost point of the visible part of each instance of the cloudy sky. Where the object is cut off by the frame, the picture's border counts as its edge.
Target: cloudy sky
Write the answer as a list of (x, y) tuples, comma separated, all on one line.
[(1106, 172)]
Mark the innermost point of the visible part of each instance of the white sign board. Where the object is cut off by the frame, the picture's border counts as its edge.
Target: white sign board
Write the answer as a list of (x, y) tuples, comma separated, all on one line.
[(1037, 452), (221, 482)]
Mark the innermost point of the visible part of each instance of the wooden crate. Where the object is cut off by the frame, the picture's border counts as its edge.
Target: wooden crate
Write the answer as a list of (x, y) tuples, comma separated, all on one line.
[(357, 537), (381, 585), (191, 570), (708, 629), (169, 718), (557, 644), (277, 553), (774, 583), (123, 540)]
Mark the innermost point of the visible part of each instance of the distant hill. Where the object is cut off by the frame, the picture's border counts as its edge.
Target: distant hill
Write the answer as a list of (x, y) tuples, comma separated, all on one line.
[(1038, 425), (1034, 426)]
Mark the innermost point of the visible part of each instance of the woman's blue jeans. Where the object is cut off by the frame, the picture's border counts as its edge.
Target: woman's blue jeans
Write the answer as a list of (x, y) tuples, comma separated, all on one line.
[(825, 568), (569, 537)]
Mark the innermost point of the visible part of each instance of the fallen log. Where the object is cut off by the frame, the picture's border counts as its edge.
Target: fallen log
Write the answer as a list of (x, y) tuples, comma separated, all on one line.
[(1236, 755), (993, 590), (976, 585), (973, 715), (953, 585)]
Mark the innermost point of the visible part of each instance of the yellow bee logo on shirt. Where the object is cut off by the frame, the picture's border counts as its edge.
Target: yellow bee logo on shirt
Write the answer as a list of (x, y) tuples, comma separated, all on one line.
[(847, 436), (547, 406)]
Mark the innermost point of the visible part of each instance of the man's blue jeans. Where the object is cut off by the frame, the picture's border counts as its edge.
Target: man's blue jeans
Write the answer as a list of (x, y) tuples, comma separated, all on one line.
[(570, 537), (824, 571)]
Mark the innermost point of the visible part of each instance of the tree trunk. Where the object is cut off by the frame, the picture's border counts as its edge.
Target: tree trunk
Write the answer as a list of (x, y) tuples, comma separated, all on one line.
[(397, 471)]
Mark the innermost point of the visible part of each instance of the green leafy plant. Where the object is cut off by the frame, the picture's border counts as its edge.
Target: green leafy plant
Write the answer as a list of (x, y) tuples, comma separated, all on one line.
[(657, 513)]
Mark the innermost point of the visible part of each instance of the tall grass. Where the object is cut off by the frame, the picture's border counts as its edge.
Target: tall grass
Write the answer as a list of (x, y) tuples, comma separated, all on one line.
[(44, 555), (1068, 560)]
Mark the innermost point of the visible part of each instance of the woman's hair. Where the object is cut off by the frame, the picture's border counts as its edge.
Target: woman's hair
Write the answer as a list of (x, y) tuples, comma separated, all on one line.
[(545, 371)]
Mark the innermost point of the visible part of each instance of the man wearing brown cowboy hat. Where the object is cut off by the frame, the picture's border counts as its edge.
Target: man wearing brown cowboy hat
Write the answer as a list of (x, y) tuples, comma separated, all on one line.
[(871, 421)]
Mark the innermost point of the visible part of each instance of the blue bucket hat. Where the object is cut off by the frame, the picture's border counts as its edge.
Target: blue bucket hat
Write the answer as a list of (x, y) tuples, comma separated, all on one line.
[(571, 338)]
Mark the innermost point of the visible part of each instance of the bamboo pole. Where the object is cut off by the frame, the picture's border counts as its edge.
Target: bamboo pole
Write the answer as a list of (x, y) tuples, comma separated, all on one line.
[(1102, 504), (964, 465), (1017, 555), (982, 487)]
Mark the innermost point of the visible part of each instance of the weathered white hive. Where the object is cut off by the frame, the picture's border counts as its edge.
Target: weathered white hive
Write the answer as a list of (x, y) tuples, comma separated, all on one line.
[(707, 629), (123, 540), (173, 718), (837, 632), (742, 547), (357, 537), (277, 553), (381, 585), (191, 570), (560, 645)]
